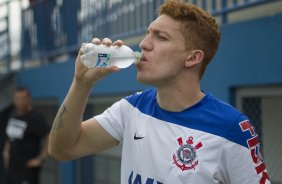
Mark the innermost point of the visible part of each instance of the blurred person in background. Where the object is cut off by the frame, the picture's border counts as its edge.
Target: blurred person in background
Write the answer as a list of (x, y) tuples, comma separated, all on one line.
[(27, 141), (174, 133), (4, 117)]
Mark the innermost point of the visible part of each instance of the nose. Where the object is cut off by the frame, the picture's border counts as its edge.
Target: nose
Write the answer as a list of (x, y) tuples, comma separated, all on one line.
[(146, 44)]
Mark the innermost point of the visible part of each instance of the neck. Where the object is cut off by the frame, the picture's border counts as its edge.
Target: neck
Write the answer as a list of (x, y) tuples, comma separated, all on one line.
[(24, 111), (178, 98)]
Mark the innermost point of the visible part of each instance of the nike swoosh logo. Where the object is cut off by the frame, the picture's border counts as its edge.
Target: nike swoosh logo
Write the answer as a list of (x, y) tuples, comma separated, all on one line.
[(136, 137)]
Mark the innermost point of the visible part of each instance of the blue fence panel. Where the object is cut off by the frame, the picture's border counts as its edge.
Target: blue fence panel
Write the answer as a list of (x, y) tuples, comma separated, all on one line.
[(29, 37), (52, 27), (70, 25), (5, 48), (36, 32), (48, 28), (5, 43)]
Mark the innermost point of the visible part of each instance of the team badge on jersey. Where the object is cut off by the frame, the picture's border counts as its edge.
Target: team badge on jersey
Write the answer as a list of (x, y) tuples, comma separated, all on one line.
[(185, 157)]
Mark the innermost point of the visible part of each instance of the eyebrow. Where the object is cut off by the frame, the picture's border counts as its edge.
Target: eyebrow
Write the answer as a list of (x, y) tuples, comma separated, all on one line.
[(157, 31)]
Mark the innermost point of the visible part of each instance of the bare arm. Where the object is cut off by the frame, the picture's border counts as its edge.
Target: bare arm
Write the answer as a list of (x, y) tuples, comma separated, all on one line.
[(6, 155), (44, 151), (37, 161), (70, 137)]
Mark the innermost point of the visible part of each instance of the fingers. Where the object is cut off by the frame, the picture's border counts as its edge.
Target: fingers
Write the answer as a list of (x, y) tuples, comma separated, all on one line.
[(107, 42), (118, 43), (96, 41), (114, 69)]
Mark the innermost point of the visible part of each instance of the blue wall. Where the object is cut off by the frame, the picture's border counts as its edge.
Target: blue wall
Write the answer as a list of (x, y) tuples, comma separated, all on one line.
[(54, 80), (249, 55)]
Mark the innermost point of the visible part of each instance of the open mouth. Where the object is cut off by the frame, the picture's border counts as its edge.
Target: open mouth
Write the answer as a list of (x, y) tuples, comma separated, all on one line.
[(143, 58)]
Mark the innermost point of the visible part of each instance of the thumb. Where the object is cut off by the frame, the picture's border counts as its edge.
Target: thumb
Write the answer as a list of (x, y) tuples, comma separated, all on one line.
[(113, 69), (103, 71)]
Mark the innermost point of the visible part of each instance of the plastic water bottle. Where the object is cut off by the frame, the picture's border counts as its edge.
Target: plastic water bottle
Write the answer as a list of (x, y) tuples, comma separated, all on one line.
[(106, 56)]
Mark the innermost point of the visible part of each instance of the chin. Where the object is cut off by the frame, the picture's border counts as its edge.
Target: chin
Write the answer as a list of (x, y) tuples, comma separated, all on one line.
[(147, 77), (145, 80), (142, 80)]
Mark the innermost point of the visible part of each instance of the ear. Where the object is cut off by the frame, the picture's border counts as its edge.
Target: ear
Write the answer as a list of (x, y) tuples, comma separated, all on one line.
[(194, 57)]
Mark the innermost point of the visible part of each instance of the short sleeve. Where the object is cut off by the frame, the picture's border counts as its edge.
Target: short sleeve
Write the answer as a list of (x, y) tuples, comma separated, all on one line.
[(113, 119), (241, 159)]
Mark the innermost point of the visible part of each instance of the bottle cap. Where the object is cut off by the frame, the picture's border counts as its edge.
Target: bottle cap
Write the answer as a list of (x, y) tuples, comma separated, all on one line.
[(138, 57)]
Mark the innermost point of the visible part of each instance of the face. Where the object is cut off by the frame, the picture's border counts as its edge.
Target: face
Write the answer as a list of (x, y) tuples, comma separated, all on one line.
[(22, 100), (164, 52)]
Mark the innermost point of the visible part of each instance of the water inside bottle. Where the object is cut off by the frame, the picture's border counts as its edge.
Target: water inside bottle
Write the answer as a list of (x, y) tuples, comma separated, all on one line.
[(122, 62), (104, 56)]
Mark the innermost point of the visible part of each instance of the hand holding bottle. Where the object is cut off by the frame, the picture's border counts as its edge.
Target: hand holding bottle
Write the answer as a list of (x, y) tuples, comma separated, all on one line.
[(88, 76)]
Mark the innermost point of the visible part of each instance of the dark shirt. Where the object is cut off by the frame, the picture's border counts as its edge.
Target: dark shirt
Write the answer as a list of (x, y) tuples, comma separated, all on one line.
[(25, 134)]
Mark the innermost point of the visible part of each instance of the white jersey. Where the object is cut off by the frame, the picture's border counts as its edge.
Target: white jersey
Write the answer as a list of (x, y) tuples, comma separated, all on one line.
[(210, 142)]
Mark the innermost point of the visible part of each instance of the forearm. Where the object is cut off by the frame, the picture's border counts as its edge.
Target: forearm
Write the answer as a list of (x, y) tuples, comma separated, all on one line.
[(6, 155), (44, 152), (6, 148), (66, 139), (67, 124), (38, 160)]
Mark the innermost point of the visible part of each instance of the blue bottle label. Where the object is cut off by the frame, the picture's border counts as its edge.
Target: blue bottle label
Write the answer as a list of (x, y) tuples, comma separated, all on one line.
[(103, 60)]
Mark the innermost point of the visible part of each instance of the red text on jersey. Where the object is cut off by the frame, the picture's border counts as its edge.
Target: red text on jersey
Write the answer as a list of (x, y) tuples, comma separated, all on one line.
[(254, 146)]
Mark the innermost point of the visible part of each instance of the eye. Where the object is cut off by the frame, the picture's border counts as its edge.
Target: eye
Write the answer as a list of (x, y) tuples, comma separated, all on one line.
[(160, 37)]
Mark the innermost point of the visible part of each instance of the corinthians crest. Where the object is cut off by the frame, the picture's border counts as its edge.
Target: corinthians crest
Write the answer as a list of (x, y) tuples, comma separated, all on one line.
[(186, 155)]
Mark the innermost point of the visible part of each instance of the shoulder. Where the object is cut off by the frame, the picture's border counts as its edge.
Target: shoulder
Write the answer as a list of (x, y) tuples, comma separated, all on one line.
[(222, 109), (243, 133), (239, 128), (142, 99), (136, 97)]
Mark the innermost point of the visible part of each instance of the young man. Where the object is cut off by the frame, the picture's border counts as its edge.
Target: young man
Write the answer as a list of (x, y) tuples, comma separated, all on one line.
[(26, 131), (174, 133)]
